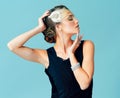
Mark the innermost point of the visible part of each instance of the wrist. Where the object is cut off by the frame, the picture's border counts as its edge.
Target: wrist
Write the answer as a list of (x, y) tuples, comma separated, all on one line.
[(75, 66), (73, 59), (71, 55), (38, 29)]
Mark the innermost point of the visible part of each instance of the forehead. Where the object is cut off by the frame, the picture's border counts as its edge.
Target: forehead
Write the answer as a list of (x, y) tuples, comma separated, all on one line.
[(65, 13)]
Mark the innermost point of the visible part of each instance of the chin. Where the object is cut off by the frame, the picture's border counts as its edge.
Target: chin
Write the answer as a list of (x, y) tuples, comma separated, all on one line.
[(77, 32)]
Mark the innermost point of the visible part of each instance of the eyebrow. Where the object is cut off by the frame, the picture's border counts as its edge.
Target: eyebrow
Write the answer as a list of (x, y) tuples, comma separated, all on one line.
[(71, 15)]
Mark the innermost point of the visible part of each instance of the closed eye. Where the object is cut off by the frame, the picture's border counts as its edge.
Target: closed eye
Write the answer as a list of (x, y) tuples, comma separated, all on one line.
[(70, 17)]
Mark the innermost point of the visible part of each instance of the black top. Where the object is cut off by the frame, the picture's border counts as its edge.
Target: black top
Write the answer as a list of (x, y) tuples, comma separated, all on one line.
[(62, 79)]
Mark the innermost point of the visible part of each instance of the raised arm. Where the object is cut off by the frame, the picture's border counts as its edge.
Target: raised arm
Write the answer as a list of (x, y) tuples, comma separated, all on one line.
[(83, 74), (16, 45)]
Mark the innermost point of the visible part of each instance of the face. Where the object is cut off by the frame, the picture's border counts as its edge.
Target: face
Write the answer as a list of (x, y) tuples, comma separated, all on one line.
[(69, 24)]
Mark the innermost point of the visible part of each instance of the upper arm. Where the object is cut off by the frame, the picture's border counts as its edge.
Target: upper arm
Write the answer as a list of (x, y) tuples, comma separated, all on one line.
[(88, 58), (35, 55)]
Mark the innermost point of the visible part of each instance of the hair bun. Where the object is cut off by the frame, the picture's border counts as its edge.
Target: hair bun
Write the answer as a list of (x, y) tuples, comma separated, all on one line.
[(49, 35)]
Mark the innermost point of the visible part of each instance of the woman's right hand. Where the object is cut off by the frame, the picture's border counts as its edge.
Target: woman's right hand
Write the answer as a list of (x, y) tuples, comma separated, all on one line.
[(40, 21)]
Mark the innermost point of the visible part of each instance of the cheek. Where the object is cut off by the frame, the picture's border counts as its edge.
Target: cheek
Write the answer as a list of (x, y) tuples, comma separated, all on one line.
[(68, 27)]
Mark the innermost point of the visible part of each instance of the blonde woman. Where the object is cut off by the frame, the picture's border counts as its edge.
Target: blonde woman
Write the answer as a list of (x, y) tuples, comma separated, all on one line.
[(69, 64)]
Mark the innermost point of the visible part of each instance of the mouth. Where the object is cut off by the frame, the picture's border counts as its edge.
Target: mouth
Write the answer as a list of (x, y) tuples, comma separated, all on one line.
[(77, 26)]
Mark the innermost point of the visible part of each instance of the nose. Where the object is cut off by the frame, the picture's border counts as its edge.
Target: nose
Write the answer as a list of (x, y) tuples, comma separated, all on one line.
[(76, 20)]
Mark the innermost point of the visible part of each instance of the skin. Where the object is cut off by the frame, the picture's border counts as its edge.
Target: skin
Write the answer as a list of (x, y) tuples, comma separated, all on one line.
[(64, 47)]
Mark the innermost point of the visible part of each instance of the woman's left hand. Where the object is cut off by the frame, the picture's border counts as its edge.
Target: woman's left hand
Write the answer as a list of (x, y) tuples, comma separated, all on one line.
[(75, 44)]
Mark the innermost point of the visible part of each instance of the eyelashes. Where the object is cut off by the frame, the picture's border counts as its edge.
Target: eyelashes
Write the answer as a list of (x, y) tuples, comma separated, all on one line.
[(70, 18)]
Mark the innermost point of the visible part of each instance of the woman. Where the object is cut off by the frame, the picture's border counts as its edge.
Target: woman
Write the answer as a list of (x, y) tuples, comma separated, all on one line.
[(69, 64)]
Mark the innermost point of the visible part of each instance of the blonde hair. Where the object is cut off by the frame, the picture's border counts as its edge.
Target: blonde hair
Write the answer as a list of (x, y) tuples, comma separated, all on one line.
[(50, 22)]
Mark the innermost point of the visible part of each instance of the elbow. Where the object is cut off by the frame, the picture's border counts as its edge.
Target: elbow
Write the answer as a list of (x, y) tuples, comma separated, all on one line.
[(10, 47), (84, 85)]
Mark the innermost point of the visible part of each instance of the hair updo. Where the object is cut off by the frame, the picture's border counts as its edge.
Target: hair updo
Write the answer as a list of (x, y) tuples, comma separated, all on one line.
[(50, 22)]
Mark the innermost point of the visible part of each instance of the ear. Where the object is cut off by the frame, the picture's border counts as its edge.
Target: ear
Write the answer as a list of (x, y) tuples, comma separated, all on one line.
[(58, 27)]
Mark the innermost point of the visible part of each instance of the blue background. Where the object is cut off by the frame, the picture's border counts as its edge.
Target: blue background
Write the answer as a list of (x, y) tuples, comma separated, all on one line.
[(99, 21)]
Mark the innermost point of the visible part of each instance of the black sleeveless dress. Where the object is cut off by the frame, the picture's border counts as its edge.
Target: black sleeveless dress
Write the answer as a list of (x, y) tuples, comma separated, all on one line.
[(62, 79)]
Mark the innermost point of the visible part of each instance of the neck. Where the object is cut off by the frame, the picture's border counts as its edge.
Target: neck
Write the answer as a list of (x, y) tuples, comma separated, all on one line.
[(62, 44)]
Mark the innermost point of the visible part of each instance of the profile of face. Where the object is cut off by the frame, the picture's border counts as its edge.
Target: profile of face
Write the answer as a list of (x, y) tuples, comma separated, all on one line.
[(67, 21), (61, 20)]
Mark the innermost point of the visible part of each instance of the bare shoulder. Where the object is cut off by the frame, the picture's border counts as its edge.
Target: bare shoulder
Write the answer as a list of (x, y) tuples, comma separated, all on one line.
[(42, 56), (40, 52), (88, 46), (88, 43)]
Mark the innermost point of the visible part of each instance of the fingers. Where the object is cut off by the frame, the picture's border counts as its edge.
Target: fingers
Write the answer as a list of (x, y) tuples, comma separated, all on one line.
[(47, 13), (40, 20), (76, 43), (78, 38)]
